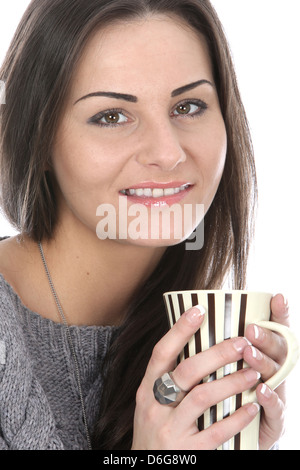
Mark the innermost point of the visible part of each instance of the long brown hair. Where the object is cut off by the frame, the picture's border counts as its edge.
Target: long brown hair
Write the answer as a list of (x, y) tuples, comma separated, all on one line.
[(38, 69)]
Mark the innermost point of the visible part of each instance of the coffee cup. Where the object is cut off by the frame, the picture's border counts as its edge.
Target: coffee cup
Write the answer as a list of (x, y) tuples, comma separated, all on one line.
[(228, 315)]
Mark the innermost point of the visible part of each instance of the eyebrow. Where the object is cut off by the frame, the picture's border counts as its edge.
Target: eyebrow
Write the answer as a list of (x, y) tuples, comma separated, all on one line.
[(134, 99), (110, 94), (191, 86)]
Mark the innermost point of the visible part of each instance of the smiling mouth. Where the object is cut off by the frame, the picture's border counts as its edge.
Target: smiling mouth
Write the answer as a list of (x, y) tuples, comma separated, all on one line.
[(154, 192)]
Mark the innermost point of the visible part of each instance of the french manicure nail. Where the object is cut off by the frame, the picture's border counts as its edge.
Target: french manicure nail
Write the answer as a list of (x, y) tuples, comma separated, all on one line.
[(253, 409), (194, 314), (265, 390), (256, 332), (286, 302), (239, 344), (256, 354), (259, 333), (251, 375)]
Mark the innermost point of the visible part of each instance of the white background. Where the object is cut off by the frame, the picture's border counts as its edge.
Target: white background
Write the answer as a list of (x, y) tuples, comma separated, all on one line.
[(264, 36)]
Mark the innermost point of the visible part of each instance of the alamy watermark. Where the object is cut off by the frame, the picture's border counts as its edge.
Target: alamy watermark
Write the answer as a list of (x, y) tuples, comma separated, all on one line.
[(141, 222), (2, 92)]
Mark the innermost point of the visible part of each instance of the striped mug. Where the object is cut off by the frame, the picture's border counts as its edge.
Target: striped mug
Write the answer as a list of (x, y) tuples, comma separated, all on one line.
[(228, 314)]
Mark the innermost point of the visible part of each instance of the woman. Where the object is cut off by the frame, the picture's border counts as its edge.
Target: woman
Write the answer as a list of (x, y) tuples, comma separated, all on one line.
[(110, 102)]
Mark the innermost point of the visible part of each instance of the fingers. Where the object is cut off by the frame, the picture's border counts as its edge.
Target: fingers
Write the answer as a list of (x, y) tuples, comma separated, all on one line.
[(270, 343), (280, 310), (267, 354), (203, 396), (260, 362), (191, 371), (263, 354), (272, 426), (166, 351), (175, 428), (269, 349), (220, 432)]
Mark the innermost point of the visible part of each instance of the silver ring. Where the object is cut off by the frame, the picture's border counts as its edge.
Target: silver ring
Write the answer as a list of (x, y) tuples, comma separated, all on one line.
[(166, 392)]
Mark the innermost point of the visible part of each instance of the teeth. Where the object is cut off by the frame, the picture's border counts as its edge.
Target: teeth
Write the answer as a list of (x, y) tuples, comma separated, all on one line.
[(139, 192), (155, 192), (147, 192)]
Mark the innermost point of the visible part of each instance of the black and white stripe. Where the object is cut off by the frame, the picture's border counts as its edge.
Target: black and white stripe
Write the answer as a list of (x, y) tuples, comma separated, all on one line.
[(228, 314)]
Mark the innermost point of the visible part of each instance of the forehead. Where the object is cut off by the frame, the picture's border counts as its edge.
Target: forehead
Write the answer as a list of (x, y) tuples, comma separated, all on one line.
[(143, 54)]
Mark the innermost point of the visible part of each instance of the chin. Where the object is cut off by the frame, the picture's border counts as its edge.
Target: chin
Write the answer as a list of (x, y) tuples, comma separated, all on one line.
[(160, 241)]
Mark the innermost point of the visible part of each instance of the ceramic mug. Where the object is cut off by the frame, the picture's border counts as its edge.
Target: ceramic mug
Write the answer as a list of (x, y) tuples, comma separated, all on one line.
[(228, 314)]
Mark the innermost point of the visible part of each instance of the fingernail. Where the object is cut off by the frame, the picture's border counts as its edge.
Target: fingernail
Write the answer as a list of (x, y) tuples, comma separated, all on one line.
[(240, 344), (286, 302), (284, 299), (258, 333), (251, 375), (256, 354), (266, 391), (253, 409), (194, 314)]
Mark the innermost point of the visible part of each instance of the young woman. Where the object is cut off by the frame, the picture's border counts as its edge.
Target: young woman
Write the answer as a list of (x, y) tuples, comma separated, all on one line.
[(113, 105)]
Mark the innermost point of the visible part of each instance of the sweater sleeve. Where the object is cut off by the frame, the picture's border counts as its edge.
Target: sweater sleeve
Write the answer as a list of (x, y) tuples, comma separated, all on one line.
[(26, 420)]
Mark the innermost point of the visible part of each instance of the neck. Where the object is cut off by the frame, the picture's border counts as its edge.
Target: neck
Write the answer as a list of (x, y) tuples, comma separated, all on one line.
[(96, 279)]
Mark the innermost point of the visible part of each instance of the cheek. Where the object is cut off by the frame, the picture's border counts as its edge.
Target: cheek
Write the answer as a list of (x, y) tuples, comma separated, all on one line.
[(218, 155), (79, 164), (83, 176), (212, 155), (209, 158)]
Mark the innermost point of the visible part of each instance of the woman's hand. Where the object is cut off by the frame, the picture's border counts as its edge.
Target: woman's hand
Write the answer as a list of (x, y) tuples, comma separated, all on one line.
[(158, 427), (266, 355)]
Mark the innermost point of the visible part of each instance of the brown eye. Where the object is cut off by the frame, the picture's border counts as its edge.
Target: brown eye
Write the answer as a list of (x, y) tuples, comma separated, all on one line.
[(112, 118), (190, 109), (183, 108), (109, 118)]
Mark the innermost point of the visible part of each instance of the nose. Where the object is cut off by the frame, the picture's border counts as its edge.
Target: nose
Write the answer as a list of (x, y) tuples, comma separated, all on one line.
[(161, 147)]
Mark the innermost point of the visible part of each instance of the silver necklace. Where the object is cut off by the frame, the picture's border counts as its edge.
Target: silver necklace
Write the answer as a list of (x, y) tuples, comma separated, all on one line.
[(64, 321)]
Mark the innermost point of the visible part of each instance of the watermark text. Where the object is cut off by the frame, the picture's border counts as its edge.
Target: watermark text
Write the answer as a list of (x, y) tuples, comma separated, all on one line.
[(174, 223)]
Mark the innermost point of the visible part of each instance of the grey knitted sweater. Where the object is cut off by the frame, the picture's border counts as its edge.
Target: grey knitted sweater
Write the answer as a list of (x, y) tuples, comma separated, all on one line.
[(39, 399)]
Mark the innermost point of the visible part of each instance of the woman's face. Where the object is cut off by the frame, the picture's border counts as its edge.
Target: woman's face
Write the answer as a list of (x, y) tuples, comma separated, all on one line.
[(142, 132)]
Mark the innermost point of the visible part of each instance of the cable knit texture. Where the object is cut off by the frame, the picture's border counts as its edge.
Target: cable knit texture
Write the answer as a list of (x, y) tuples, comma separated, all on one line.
[(39, 400)]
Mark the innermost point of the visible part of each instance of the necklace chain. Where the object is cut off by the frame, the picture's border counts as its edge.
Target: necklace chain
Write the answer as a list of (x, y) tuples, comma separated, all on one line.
[(72, 348)]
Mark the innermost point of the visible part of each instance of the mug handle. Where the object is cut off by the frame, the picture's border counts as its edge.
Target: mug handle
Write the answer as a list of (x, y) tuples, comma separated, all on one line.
[(291, 358)]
